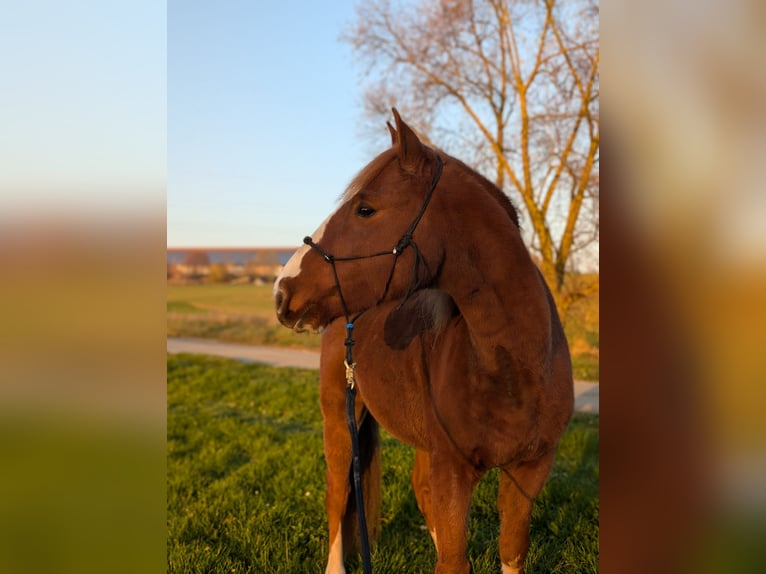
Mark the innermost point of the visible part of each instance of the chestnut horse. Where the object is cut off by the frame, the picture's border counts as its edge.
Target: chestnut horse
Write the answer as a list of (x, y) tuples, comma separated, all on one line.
[(459, 348)]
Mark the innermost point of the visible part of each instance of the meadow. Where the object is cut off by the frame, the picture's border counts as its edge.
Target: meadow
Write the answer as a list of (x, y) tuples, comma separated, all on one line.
[(245, 314), (245, 476), (232, 313)]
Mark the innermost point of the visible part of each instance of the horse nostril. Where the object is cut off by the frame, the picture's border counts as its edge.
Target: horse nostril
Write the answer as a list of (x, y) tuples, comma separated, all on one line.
[(282, 302)]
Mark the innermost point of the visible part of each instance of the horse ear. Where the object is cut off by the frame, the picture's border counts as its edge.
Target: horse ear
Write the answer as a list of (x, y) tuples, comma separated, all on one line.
[(411, 149), (392, 131)]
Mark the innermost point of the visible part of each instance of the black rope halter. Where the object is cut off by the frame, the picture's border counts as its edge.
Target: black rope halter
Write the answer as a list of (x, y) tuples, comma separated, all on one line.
[(405, 241)]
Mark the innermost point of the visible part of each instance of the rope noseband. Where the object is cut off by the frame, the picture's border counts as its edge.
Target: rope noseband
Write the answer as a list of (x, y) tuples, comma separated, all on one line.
[(405, 241)]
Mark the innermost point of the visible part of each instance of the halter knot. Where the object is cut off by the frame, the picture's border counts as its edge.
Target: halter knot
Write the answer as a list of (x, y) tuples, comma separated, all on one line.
[(327, 256), (403, 243)]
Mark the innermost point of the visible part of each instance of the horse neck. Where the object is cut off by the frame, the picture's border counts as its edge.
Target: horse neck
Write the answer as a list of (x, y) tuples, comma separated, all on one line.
[(489, 274)]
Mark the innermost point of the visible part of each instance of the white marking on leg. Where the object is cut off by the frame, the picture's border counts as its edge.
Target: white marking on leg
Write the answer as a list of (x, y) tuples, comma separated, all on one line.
[(335, 559), (512, 568), (433, 537)]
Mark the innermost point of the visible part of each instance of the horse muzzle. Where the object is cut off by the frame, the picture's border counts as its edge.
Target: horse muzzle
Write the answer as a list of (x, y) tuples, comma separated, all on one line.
[(303, 317)]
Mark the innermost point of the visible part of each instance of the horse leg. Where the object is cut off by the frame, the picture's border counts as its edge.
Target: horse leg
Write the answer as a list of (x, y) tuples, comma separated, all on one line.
[(420, 484), (452, 483), (519, 486), (337, 448), (340, 502)]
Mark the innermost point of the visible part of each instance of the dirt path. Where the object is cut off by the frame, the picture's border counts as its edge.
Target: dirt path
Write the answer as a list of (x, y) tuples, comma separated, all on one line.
[(275, 356), (586, 393)]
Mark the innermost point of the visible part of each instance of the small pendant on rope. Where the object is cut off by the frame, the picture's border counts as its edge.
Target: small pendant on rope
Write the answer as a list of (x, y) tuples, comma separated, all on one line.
[(350, 376)]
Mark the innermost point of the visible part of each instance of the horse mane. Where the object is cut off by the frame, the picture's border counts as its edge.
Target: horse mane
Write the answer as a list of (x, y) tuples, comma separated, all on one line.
[(433, 307), (504, 201)]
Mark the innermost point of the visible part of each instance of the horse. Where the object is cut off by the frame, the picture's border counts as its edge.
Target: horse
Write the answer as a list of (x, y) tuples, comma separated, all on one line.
[(458, 349)]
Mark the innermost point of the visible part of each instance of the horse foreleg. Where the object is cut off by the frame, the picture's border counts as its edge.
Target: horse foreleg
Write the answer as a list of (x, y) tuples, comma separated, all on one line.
[(451, 483), (519, 486), (337, 447), (420, 484), (340, 503)]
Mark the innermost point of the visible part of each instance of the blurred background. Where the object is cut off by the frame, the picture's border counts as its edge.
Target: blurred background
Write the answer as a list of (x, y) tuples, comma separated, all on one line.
[(82, 240), (684, 263), (90, 163)]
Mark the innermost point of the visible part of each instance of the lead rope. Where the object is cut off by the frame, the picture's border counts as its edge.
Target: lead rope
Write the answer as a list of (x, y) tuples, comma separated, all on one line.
[(364, 541)]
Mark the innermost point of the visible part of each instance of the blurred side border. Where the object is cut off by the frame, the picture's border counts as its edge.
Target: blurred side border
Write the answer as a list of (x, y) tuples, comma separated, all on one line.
[(82, 261), (683, 263)]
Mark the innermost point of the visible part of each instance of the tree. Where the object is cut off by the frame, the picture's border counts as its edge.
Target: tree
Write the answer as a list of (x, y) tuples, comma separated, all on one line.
[(219, 273), (196, 261), (264, 264), (513, 85)]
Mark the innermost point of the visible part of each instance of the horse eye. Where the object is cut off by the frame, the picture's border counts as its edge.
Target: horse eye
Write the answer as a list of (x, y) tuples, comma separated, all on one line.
[(365, 211)]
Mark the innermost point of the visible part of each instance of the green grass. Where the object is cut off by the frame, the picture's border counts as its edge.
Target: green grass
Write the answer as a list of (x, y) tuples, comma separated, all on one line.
[(246, 483), (232, 313), (234, 299), (585, 367), (176, 306), (582, 330)]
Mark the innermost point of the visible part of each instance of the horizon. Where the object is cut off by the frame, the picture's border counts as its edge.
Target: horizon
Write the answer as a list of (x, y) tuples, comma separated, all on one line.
[(231, 248)]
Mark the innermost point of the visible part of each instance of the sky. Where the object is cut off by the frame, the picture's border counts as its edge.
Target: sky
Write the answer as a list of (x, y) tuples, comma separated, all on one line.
[(235, 124), (263, 104), (82, 106)]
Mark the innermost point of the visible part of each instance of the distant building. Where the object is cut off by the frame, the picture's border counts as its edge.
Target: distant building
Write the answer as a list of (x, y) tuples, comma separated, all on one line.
[(243, 265)]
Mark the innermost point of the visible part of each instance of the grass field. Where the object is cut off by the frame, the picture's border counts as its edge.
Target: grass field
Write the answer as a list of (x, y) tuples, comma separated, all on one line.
[(245, 314), (246, 483), (233, 313)]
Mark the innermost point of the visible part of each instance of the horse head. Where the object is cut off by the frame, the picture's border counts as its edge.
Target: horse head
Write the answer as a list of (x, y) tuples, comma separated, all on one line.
[(377, 245)]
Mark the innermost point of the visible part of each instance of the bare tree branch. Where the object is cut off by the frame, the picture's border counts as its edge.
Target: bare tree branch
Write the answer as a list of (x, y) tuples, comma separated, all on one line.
[(514, 84)]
